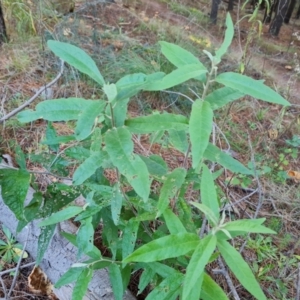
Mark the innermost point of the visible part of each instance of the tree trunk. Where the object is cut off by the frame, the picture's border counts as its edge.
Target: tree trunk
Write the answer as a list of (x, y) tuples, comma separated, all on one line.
[(268, 15), (298, 13), (3, 35), (230, 5), (289, 12), (214, 11), (279, 17)]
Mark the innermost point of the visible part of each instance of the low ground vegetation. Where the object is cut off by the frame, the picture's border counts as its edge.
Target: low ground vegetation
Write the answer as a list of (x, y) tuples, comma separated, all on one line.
[(261, 136)]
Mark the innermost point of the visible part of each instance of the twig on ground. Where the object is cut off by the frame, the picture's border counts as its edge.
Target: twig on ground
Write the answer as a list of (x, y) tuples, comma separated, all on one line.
[(42, 89), (14, 269), (224, 272), (3, 288)]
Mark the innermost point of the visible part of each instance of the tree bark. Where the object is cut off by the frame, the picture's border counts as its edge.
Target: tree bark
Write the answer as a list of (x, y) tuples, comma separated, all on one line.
[(214, 11), (3, 34), (230, 5), (289, 12), (298, 13), (279, 17)]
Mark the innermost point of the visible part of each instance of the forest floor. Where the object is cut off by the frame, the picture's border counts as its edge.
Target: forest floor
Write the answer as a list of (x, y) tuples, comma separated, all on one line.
[(122, 40)]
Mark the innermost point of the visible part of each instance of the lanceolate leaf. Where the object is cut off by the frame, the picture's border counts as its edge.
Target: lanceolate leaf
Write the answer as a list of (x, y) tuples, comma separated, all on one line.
[(222, 96), (81, 285), (120, 149), (176, 77), (88, 168), (227, 40), (43, 241), (240, 269), (180, 57), (215, 154), (208, 192), (14, 187), (62, 215), (56, 110), (116, 203), (130, 85), (252, 87), (200, 127), (155, 164), (207, 211), (116, 281), (195, 268), (145, 279), (211, 290), (70, 276), (85, 237), (172, 184), (129, 237), (172, 245), (178, 138), (173, 222), (168, 289), (253, 226), (153, 123), (86, 119), (77, 58)]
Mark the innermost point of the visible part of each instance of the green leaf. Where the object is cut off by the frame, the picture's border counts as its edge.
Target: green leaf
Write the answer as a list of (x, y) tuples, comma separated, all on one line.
[(96, 137), (56, 110), (81, 285), (215, 154), (120, 149), (43, 241), (200, 127), (145, 279), (252, 87), (211, 290), (155, 165), (153, 123), (194, 272), (77, 58), (222, 96), (173, 222), (253, 226), (172, 184), (86, 119), (95, 253), (180, 57), (115, 277), (130, 85), (119, 113), (227, 40), (207, 211), (85, 237), (70, 276), (56, 140), (88, 168), (161, 269), (20, 157), (116, 203), (169, 246), (110, 91), (62, 215), (129, 237), (176, 77), (208, 192), (168, 289), (14, 187), (240, 269), (178, 138)]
